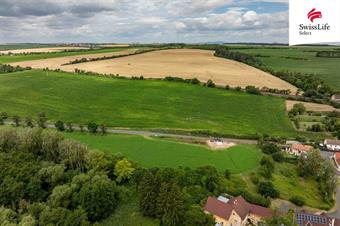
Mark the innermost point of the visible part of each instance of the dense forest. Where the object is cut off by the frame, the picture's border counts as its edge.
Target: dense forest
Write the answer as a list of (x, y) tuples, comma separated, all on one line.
[(46, 179)]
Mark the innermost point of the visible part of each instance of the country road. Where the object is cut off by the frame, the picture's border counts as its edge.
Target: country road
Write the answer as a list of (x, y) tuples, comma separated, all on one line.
[(155, 134)]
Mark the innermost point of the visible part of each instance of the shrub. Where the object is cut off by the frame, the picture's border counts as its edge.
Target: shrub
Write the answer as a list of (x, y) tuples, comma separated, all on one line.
[(42, 119), (210, 83), (92, 127), (270, 148), (59, 125), (253, 90), (267, 189), (69, 127), (227, 174), (297, 200), (278, 157)]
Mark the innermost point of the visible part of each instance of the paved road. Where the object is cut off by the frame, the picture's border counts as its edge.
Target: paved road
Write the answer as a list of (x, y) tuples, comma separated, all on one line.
[(337, 204), (158, 134)]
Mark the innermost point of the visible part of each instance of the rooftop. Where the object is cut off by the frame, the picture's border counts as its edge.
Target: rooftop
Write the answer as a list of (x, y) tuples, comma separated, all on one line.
[(333, 142), (302, 147), (306, 219), (239, 205)]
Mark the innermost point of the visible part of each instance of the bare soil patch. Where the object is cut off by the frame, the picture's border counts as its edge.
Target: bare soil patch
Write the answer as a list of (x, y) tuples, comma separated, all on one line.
[(186, 63), (41, 50), (311, 106), (219, 145), (56, 63)]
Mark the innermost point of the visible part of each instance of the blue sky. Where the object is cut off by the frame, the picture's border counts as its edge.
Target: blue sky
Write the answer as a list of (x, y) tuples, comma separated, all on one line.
[(148, 21)]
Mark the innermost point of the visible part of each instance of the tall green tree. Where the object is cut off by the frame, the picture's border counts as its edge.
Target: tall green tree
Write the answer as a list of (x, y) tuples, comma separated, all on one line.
[(98, 197), (196, 217), (3, 117), (42, 119), (148, 190), (170, 203), (16, 120), (124, 170)]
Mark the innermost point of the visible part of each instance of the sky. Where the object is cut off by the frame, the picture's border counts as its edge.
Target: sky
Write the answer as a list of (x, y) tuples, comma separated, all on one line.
[(143, 21)]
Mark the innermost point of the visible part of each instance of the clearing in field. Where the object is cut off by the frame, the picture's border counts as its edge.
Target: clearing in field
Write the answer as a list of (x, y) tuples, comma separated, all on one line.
[(310, 106), (164, 153), (56, 63), (186, 63), (42, 50), (141, 104)]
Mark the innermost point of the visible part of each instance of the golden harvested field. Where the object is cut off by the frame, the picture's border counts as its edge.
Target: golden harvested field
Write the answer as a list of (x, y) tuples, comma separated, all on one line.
[(311, 106), (185, 63), (41, 50), (56, 63)]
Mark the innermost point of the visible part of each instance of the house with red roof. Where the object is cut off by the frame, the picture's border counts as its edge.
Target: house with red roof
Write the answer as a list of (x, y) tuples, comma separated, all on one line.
[(299, 149), (235, 211)]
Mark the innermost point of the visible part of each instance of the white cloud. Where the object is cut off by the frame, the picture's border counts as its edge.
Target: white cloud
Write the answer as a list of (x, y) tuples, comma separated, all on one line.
[(139, 21)]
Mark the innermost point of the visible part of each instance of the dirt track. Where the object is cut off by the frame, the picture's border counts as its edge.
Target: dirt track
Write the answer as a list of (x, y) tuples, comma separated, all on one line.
[(311, 106), (185, 63), (41, 50), (55, 63)]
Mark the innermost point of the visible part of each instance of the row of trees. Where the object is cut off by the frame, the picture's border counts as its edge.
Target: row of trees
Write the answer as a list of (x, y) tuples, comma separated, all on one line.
[(41, 121), (28, 121), (312, 86), (6, 68)]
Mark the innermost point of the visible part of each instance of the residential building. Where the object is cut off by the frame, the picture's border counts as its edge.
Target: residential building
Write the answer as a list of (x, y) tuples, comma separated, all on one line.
[(235, 211), (306, 219), (331, 145), (336, 98), (298, 149)]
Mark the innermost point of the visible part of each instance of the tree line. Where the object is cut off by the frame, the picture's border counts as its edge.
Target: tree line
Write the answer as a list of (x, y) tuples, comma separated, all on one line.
[(6, 68)]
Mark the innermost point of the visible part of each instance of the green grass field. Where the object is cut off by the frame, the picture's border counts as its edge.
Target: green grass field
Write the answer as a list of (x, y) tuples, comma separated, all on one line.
[(140, 104), (298, 59), (21, 57), (164, 153)]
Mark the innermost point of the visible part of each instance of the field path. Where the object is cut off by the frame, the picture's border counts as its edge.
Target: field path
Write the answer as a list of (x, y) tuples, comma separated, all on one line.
[(154, 134), (185, 63)]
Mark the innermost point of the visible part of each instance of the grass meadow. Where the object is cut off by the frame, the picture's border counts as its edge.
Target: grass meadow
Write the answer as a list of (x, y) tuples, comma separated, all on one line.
[(155, 152), (298, 59), (40, 56), (141, 104)]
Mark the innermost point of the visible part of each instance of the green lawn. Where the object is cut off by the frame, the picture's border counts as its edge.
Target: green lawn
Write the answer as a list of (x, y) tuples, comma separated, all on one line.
[(300, 59), (128, 214), (21, 57), (164, 153), (141, 104)]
